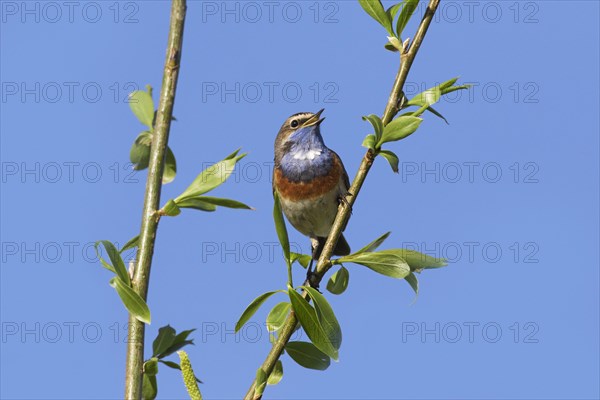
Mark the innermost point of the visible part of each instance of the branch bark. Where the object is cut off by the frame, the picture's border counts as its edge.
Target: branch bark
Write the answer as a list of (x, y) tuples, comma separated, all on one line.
[(407, 57), (150, 217)]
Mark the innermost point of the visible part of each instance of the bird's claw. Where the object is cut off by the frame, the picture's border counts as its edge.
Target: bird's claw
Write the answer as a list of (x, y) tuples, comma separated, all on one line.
[(345, 201), (312, 281)]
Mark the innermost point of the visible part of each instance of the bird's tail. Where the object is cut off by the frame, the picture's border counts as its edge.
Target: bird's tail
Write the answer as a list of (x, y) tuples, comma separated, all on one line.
[(342, 248)]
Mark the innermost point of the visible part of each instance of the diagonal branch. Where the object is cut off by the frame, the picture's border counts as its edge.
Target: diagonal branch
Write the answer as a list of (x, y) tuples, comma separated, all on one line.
[(141, 279), (323, 265)]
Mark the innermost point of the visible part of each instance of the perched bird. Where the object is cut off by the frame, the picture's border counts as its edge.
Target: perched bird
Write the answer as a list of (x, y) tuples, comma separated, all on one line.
[(310, 180)]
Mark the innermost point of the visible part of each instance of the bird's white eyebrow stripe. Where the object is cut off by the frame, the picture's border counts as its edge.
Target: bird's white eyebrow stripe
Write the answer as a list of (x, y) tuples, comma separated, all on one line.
[(302, 114)]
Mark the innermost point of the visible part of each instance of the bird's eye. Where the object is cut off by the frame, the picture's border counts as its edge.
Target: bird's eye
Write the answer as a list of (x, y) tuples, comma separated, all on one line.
[(294, 123)]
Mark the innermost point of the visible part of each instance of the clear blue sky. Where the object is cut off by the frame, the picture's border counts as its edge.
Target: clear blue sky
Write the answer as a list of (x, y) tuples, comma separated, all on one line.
[(508, 192)]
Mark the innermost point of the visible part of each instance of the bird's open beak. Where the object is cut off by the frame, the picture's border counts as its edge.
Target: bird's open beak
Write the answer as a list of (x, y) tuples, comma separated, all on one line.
[(315, 119)]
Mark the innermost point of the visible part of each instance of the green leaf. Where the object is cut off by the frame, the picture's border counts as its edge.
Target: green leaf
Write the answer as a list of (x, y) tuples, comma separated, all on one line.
[(281, 229), (179, 342), (183, 335), (211, 177), (374, 244), (151, 366), (417, 261), (170, 364), (232, 155), (224, 202), (408, 8), (170, 209), (115, 259), (252, 308), (370, 142), (260, 383), (387, 264), (448, 86), (426, 98), (149, 387), (142, 106), (309, 320), (131, 244), (303, 259), (421, 110), (392, 11), (377, 124), (132, 301), (206, 203), (338, 283), (102, 261), (170, 169), (448, 83), (327, 317), (389, 46), (395, 43), (196, 204), (307, 355), (437, 114), (164, 340), (276, 374), (455, 88), (400, 128), (375, 9), (392, 158), (413, 282), (139, 155), (277, 316)]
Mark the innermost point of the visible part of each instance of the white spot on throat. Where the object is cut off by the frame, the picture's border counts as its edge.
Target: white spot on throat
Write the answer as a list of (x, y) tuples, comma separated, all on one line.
[(310, 154)]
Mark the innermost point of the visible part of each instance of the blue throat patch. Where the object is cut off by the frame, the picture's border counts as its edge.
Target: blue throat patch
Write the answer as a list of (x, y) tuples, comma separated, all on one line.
[(296, 164)]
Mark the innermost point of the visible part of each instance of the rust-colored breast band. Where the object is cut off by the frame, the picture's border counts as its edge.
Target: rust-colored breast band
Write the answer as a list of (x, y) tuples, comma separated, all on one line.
[(318, 187)]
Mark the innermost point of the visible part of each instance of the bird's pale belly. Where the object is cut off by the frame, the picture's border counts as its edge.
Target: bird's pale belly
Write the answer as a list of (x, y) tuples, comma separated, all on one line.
[(312, 217)]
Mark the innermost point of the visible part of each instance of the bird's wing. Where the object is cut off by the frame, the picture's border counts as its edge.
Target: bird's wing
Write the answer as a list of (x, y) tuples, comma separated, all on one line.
[(346, 181), (273, 181), (344, 173)]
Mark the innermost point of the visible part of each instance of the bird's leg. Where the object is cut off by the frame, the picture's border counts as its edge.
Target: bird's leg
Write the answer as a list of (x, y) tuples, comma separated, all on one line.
[(342, 199), (314, 243)]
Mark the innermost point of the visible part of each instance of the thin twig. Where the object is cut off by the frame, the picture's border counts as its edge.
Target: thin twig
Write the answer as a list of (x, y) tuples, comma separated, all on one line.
[(345, 208), (150, 218)]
